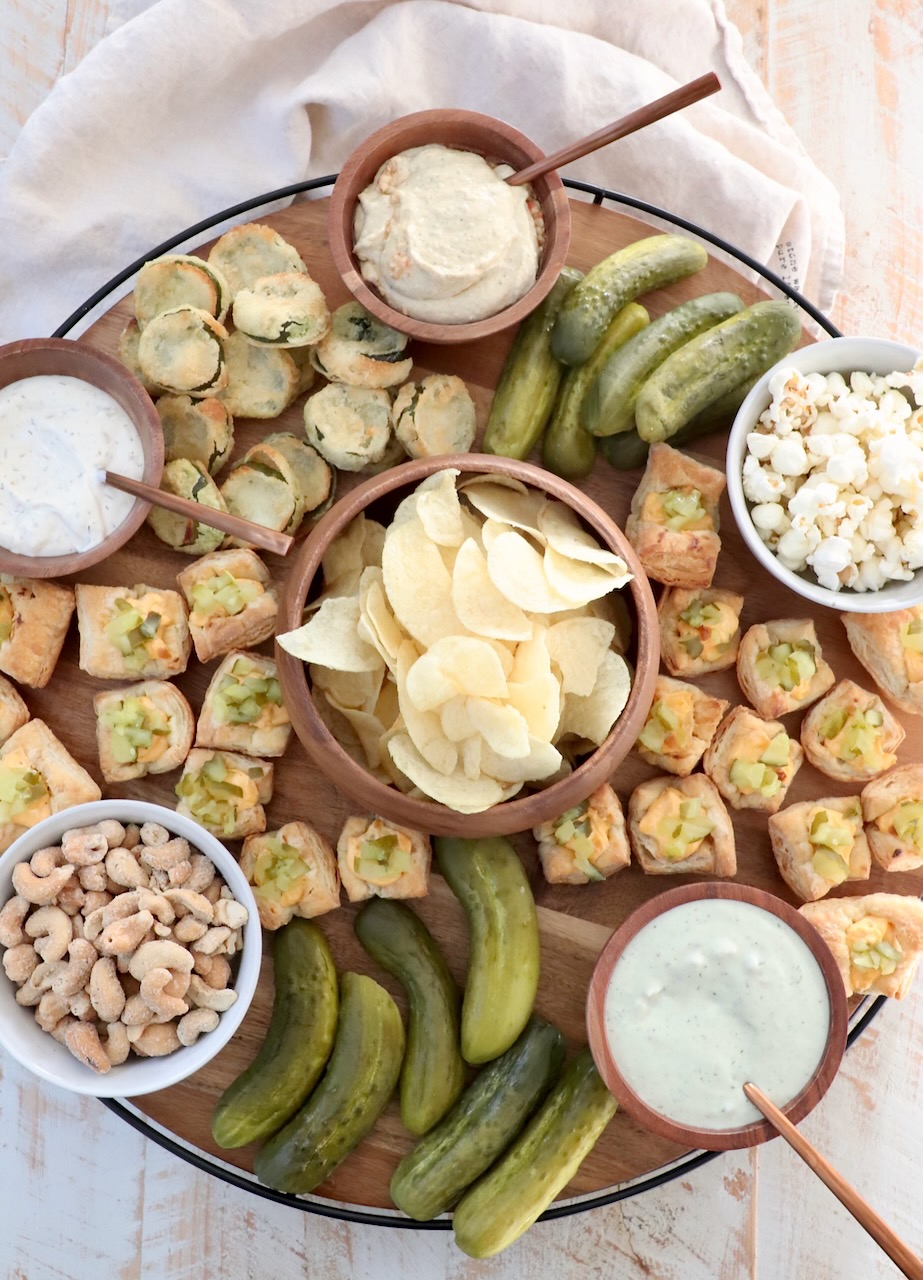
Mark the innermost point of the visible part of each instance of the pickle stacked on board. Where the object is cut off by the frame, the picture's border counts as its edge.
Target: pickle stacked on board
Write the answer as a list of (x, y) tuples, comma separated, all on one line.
[(617, 377)]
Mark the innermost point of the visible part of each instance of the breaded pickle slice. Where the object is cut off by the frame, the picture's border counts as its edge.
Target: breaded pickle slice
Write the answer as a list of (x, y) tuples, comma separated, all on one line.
[(246, 253), (128, 354), (189, 479), (262, 493), (349, 426), (314, 479), (202, 430), (262, 381), (435, 416), (285, 310), (183, 351), (179, 280), (361, 351)]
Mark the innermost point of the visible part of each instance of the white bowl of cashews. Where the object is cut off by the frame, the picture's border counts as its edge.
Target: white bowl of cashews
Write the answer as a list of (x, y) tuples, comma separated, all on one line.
[(159, 1007)]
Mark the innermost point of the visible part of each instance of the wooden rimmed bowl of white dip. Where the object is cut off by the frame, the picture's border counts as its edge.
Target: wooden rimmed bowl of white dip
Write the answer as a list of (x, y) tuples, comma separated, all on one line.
[(487, 136), (64, 358), (699, 979)]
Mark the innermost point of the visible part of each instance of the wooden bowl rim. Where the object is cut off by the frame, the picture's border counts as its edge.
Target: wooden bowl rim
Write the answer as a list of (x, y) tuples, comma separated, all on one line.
[(690, 1136), (365, 160), (72, 358), (353, 779)]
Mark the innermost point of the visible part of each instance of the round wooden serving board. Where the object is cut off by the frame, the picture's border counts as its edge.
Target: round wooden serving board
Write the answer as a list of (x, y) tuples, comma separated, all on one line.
[(574, 921)]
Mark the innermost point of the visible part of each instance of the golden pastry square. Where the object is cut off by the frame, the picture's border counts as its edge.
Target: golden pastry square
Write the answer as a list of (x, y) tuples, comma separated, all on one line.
[(699, 629), (588, 842), (132, 633), (819, 844), (893, 809), (890, 647), (875, 940), (680, 725), (34, 617), (225, 792), (679, 825), (380, 859), (243, 709), (673, 524), (780, 666), (752, 761), (142, 728), (232, 601), (851, 735), (40, 777), (292, 872), (13, 711)]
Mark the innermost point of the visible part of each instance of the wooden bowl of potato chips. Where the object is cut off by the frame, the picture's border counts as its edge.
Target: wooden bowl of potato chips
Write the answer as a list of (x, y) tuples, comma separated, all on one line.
[(467, 645)]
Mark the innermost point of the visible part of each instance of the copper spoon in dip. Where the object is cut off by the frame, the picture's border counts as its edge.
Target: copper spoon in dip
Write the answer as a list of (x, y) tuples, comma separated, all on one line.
[(900, 1253), (236, 526), (671, 102)]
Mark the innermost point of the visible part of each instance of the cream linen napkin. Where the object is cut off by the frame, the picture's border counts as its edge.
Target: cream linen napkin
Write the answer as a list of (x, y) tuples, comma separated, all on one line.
[(189, 106)]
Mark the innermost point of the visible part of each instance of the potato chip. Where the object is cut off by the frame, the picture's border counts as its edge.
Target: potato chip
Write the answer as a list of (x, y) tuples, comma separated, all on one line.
[(418, 585), (491, 530), (343, 559), (368, 729), (502, 481), (478, 603), (356, 689), (456, 719), (541, 760), (562, 530), (502, 727), (428, 686), (463, 794), (423, 727), (377, 624), (577, 646), (471, 757), (331, 638), (576, 580), (517, 571), (539, 701), (500, 502), (593, 716), (439, 510), (387, 707)]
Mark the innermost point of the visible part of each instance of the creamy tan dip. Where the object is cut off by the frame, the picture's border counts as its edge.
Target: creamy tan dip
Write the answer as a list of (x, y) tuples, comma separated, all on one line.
[(56, 434), (444, 238)]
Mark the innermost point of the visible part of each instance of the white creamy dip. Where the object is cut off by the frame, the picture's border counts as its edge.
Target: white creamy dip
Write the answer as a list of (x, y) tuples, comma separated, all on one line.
[(444, 238), (707, 996), (56, 434)]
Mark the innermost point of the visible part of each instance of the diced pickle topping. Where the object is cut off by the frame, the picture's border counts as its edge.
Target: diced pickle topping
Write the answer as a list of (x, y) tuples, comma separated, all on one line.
[(225, 594), (912, 635), (382, 859), (787, 665), (212, 798), (6, 616), (243, 694), (852, 734), (678, 509), (19, 790), (279, 870), (134, 726)]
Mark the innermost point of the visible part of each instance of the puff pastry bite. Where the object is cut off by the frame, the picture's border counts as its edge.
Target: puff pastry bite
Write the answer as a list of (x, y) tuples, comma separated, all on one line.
[(752, 761), (890, 647), (38, 777), (292, 871), (851, 735), (379, 859), (818, 844), (129, 633), (34, 617), (13, 711), (674, 521), (588, 842), (679, 726), (876, 940), (893, 809), (243, 708), (699, 629), (232, 602), (780, 666), (225, 792), (143, 728), (679, 825)]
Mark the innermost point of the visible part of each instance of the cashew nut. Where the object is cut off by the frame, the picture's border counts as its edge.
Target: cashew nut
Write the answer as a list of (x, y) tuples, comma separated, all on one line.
[(180, 873), (153, 834), (72, 897), (82, 1039), (187, 901), (94, 900), (112, 830), (59, 1030), (153, 992), (44, 861), (163, 953), (118, 908), (158, 904), (164, 856), (189, 929), (156, 1040), (75, 976), (79, 1005), (124, 868), (219, 973), (11, 918), (212, 891), (178, 985), (39, 981), (195, 1023), (52, 931), (50, 1010), (213, 940), (122, 936), (116, 1044), (203, 873), (94, 878), (132, 835), (137, 1012), (160, 881), (40, 890), (20, 962), (107, 994), (205, 997), (231, 912), (84, 846)]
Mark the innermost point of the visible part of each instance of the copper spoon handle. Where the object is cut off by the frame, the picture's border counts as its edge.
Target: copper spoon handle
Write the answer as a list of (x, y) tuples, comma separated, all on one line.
[(900, 1253), (684, 96), (246, 530)]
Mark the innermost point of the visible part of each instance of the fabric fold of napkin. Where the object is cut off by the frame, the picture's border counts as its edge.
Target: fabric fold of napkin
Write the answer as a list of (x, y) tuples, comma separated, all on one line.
[(189, 106)]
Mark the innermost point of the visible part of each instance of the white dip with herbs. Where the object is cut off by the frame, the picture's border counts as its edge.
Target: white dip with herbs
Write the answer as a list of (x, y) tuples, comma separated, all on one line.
[(56, 434), (708, 996), (444, 238)]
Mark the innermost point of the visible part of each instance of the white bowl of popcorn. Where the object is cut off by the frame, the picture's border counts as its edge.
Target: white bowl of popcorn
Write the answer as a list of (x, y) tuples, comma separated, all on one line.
[(154, 979), (825, 473)]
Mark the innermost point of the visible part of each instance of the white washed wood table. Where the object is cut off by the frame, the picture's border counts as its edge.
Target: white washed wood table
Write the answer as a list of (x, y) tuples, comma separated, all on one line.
[(84, 1197)]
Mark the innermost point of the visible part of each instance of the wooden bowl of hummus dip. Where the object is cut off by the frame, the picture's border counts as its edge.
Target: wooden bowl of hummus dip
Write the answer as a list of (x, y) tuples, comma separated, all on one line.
[(430, 238)]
